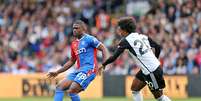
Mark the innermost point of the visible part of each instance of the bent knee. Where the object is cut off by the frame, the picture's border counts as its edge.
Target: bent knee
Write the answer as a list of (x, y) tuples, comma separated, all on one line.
[(62, 87), (58, 87), (137, 85), (157, 93), (135, 88), (74, 91)]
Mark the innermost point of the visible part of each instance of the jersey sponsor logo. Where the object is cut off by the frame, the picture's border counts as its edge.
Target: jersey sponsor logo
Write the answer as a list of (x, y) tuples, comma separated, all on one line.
[(82, 50)]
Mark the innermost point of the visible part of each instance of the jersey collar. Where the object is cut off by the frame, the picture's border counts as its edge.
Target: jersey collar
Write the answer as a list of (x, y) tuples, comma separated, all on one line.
[(134, 33), (82, 36)]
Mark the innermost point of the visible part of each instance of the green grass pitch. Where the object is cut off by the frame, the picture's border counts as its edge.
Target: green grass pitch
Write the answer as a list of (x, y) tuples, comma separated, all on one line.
[(103, 99)]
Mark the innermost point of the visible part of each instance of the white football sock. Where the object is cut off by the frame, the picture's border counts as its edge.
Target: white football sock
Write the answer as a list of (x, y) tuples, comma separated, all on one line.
[(137, 96), (163, 98)]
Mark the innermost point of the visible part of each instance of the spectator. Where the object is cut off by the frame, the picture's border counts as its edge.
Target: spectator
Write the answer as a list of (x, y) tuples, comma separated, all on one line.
[(180, 66), (36, 34)]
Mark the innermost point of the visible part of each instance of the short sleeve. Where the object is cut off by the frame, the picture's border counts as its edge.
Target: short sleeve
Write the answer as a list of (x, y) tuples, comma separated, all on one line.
[(123, 44), (94, 42)]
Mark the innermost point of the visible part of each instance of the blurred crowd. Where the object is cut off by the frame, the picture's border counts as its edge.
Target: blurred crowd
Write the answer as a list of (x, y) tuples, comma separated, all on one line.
[(35, 35)]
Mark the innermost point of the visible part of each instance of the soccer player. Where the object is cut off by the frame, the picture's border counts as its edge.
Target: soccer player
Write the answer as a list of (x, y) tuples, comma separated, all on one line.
[(83, 51), (140, 46)]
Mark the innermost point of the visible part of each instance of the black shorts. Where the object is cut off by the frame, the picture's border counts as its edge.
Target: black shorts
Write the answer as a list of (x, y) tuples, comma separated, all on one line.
[(154, 80)]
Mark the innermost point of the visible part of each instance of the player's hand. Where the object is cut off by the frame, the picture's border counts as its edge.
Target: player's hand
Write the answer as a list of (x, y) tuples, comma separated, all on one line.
[(51, 75), (100, 69)]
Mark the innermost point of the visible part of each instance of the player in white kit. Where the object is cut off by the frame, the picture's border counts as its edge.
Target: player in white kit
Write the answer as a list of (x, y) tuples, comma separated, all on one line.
[(140, 46)]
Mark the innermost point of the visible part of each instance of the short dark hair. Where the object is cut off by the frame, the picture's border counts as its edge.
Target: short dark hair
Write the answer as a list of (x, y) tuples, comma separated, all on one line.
[(127, 23), (82, 23)]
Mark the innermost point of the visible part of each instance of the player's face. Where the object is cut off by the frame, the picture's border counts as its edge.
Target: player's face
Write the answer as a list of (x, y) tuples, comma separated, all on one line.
[(77, 30), (120, 31)]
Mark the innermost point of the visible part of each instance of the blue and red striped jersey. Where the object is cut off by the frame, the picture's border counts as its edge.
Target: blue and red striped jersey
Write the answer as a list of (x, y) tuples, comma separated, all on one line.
[(84, 51)]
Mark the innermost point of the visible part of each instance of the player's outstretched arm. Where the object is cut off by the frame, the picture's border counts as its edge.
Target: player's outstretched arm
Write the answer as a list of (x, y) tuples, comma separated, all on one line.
[(112, 58), (120, 49), (66, 66), (104, 51)]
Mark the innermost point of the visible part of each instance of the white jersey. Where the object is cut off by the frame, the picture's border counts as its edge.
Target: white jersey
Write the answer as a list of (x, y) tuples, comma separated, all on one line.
[(140, 47), (141, 52)]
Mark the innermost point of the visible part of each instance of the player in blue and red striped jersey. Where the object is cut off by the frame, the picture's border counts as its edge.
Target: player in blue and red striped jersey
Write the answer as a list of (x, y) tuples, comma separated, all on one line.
[(83, 51)]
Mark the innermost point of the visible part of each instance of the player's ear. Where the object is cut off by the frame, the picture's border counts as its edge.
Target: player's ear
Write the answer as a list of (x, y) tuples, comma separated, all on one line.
[(84, 27)]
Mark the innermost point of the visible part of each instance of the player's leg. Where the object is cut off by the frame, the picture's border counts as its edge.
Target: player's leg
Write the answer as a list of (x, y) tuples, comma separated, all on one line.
[(73, 91), (156, 83), (60, 88), (137, 84), (160, 96), (80, 83)]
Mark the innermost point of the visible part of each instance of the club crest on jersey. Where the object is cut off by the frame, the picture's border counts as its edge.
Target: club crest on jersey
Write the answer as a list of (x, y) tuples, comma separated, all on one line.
[(82, 43), (82, 50), (94, 40)]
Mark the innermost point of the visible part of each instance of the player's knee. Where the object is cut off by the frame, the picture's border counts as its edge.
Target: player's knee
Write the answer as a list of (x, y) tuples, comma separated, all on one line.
[(134, 88), (73, 91), (157, 94), (58, 89), (62, 87)]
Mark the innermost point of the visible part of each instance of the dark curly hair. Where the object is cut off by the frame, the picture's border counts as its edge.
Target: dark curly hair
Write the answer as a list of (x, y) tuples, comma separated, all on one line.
[(81, 23), (127, 24)]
